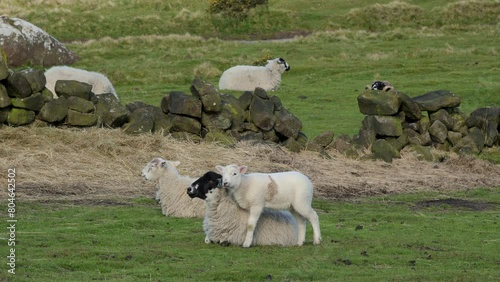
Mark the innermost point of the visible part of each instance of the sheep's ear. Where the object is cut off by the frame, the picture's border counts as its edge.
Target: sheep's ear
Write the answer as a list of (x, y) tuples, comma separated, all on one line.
[(243, 169), (220, 168), (176, 163), (163, 164)]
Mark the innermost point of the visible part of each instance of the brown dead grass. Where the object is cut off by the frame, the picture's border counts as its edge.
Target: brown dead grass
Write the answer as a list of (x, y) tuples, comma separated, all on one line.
[(99, 164)]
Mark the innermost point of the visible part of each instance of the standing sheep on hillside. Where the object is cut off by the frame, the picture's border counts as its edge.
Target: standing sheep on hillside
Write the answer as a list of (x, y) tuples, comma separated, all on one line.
[(284, 190), (225, 221), (100, 83), (247, 78), (171, 189)]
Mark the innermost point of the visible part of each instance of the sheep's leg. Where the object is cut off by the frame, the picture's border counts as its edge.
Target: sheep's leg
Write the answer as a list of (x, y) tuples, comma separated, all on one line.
[(251, 223), (314, 220), (309, 213), (301, 225)]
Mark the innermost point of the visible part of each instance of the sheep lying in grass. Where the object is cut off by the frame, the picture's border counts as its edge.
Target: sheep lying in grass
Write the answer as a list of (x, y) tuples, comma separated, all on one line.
[(380, 85), (225, 221), (247, 78), (100, 83), (171, 189), (285, 190)]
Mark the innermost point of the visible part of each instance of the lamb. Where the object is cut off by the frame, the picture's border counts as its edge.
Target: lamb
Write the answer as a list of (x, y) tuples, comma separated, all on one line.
[(100, 83), (171, 188), (225, 221), (247, 78), (284, 190)]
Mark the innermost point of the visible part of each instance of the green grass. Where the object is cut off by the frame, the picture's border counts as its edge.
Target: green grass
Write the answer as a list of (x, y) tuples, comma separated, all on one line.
[(378, 238), (149, 48)]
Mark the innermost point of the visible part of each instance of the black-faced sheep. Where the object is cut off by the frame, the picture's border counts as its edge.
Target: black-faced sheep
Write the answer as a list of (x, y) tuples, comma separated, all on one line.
[(100, 83), (284, 190), (171, 189), (247, 78), (380, 85), (225, 221)]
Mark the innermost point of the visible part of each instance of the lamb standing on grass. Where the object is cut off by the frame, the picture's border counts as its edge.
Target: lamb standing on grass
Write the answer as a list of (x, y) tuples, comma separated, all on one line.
[(100, 83), (225, 221), (284, 190), (247, 78), (171, 189)]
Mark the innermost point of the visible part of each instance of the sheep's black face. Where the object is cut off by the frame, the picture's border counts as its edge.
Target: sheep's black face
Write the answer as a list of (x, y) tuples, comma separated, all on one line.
[(201, 187), (283, 62), (378, 85)]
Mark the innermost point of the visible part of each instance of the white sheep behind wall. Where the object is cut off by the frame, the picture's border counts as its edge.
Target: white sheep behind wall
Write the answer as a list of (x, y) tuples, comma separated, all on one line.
[(100, 83), (171, 189), (247, 78)]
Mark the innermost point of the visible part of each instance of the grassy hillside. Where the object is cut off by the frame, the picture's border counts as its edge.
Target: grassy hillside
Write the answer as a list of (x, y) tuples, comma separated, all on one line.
[(149, 48), (84, 213)]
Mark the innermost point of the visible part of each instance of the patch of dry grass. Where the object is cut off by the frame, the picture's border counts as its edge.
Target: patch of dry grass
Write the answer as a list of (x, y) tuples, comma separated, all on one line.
[(97, 163)]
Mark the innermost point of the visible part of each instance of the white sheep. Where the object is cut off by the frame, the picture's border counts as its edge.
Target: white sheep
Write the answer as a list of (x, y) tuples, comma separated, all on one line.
[(225, 221), (100, 83), (171, 189), (247, 78), (284, 190)]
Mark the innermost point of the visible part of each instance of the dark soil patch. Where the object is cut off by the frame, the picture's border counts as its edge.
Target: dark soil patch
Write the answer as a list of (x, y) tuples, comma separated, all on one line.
[(457, 203)]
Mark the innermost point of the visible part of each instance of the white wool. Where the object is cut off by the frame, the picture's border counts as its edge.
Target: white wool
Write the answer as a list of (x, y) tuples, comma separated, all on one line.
[(171, 189), (289, 190), (100, 83), (247, 78), (225, 221)]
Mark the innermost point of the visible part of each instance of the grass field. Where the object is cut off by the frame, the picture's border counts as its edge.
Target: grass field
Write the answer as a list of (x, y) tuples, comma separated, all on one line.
[(149, 48), (396, 238), (82, 215)]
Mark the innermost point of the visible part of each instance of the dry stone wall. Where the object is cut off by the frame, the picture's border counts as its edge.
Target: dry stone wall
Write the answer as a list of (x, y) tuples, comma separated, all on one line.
[(392, 120)]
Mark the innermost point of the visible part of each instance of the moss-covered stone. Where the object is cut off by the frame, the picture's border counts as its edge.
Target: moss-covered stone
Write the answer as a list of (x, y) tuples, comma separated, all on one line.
[(4, 97), (20, 117), (383, 150), (54, 111), (81, 119), (34, 102), (80, 105)]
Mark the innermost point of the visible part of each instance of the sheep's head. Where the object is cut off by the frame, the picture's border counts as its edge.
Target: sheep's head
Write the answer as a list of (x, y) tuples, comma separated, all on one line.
[(231, 175), (278, 63), (380, 85), (154, 169), (204, 185)]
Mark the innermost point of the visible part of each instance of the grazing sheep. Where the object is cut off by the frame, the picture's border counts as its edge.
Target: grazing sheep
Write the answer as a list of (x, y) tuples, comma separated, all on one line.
[(225, 221), (284, 190), (247, 78), (171, 189), (100, 83), (380, 85)]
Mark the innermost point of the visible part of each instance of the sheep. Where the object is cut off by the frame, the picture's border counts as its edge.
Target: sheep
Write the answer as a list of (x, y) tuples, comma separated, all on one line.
[(225, 221), (284, 190), (100, 83), (247, 78), (171, 187), (380, 85)]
